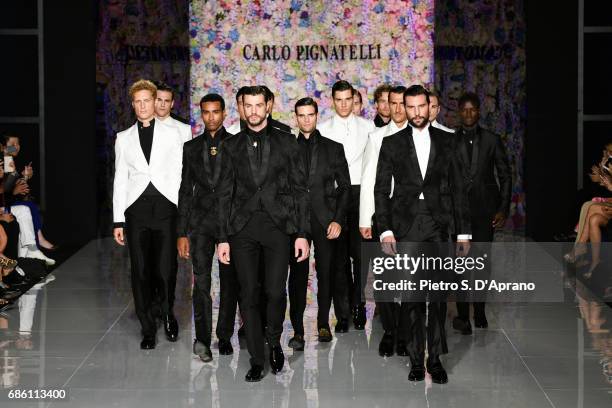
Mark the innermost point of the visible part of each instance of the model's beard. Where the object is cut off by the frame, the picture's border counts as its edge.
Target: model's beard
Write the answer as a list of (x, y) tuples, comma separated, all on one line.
[(414, 124), (261, 119)]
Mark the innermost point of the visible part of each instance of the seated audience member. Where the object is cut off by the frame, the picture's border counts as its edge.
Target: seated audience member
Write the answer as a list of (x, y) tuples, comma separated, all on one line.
[(21, 191), (594, 215)]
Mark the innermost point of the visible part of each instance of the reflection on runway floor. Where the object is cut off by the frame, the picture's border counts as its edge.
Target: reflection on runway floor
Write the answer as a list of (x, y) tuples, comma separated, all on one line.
[(79, 332)]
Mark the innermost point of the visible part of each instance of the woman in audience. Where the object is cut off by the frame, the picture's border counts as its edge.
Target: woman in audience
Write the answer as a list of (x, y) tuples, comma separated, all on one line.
[(21, 191), (594, 215)]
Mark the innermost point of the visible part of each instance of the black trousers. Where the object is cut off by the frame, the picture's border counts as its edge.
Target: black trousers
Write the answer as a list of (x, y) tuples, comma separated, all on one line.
[(348, 289), (415, 325), (298, 279), (150, 226), (203, 249), (482, 233), (261, 233)]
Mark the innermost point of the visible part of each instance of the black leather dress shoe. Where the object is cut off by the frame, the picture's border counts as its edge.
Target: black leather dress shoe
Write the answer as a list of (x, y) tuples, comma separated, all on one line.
[(417, 371), (254, 374), (170, 328), (437, 372), (297, 342), (325, 335), (203, 351), (277, 359), (481, 322), (385, 348), (342, 326), (225, 347), (463, 326), (401, 349), (359, 317), (147, 343)]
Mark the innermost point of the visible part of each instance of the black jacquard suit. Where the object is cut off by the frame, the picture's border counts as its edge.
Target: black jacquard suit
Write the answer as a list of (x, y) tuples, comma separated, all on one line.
[(198, 220)]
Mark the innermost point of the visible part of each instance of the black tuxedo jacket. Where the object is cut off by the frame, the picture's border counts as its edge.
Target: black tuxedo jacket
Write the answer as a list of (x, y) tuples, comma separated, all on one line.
[(278, 125), (198, 194), (486, 197), (279, 187), (443, 187), (329, 182)]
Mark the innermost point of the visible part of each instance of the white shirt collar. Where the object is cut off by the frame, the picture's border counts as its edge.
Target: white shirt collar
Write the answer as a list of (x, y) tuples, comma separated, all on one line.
[(394, 128)]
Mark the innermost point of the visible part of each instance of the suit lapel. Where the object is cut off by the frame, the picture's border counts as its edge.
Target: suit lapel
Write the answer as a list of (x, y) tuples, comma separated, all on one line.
[(206, 158), (414, 160), (475, 151), (432, 152)]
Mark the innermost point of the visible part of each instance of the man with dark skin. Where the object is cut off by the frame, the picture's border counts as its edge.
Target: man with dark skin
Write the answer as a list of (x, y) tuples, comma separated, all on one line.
[(197, 229), (483, 154)]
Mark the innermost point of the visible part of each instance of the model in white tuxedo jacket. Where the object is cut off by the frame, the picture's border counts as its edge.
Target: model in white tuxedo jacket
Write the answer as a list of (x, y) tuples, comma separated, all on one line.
[(352, 132), (183, 128), (132, 172), (368, 173)]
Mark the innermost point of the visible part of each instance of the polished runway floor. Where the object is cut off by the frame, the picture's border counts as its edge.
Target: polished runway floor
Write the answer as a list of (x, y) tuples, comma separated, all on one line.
[(79, 332)]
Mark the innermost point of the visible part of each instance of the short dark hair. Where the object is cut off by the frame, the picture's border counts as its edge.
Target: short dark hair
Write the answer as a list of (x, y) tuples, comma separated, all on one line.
[(213, 97), (398, 89), (340, 86), (269, 92), (416, 90), (380, 90), (469, 97), (241, 92), (356, 92), (258, 90), (162, 86), (8, 135), (308, 101)]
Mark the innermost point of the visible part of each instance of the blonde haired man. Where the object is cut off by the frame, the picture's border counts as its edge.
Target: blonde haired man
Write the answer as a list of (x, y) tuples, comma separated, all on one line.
[(148, 164)]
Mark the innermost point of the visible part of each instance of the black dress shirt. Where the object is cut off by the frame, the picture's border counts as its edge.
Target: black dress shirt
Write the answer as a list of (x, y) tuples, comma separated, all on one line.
[(468, 140), (256, 142), (306, 149), (213, 147), (379, 121)]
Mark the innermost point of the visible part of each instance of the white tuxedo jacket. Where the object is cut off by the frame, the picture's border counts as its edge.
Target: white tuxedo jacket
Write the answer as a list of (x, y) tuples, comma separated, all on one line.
[(368, 173), (352, 133), (184, 129), (132, 172)]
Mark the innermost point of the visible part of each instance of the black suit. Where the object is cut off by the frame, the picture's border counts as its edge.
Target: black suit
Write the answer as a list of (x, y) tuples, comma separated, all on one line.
[(197, 218), (275, 124), (442, 212), (327, 167), (482, 153), (263, 201)]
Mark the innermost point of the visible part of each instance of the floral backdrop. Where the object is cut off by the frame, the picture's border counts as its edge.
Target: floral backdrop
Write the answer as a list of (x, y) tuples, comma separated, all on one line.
[(480, 47), (220, 30)]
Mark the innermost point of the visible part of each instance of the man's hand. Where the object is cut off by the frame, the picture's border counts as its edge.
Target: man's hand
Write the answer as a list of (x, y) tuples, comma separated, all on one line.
[(499, 220), (607, 210), (118, 234), (182, 245), (223, 252), (389, 245), (366, 232), (462, 247), (302, 249), (333, 230)]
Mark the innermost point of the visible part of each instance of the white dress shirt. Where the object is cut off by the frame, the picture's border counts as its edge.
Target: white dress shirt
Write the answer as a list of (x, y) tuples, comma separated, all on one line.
[(368, 173), (234, 129), (352, 132), (422, 144), (440, 126)]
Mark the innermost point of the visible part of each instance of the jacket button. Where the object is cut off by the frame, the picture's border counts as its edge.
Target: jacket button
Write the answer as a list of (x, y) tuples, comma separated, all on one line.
[(213, 190), (258, 188), (308, 190)]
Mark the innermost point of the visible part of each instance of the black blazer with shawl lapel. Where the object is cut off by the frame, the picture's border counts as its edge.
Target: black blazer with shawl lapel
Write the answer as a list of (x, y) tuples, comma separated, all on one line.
[(486, 196), (198, 194), (443, 186), (329, 182), (279, 185)]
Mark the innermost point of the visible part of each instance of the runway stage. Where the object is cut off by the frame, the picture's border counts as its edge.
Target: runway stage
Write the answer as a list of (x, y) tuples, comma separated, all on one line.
[(85, 338)]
